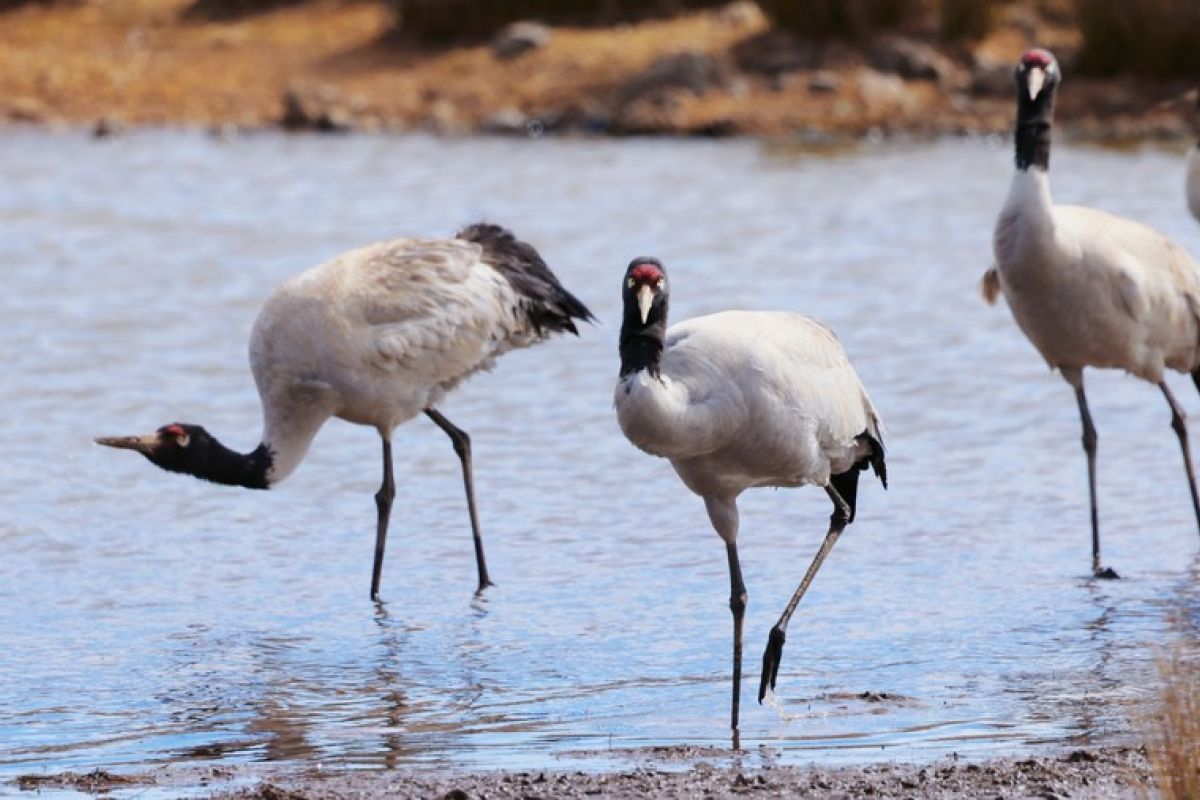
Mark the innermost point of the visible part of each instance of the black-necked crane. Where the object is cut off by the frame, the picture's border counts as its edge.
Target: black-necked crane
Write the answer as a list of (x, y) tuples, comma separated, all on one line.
[(376, 336), (1090, 289), (740, 399)]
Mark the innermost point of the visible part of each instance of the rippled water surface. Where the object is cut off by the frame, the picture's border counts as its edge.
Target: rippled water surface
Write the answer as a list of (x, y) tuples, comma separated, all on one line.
[(147, 617)]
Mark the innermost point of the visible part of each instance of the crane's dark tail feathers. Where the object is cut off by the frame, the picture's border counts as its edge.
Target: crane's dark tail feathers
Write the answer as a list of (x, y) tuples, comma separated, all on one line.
[(875, 460), (846, 483), (548, 305)]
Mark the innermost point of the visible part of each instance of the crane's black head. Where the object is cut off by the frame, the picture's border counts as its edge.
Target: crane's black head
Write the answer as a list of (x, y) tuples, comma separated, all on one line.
[(1037, 77), (645, 291), (191, 450), (644, 327), (177, 447)]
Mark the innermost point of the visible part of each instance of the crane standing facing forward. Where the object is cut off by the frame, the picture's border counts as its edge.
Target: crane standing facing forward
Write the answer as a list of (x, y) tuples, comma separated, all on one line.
[(376, 336), (1087, 288), (741, 399)]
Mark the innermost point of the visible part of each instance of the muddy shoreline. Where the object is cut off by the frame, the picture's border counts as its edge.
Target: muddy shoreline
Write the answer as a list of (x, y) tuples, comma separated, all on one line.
[(660, 772)]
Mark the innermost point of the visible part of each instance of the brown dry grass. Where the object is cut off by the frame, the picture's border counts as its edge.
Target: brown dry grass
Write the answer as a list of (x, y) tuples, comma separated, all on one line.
[(1171, 728), (148, 62), (1157, 38), (143, 62)]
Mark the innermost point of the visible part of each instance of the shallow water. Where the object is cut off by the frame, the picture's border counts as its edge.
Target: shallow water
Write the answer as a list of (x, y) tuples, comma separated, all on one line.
[(146, 617)]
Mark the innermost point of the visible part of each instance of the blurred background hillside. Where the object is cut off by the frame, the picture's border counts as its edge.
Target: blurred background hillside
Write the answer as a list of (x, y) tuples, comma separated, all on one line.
[(819, 68)]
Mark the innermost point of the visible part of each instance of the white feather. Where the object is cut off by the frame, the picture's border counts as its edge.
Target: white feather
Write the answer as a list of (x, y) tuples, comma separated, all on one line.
[(749, 399), (1090, 289)]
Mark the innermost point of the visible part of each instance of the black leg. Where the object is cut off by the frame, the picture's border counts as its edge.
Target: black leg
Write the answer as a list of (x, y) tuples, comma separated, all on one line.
[(1089, 447), (383, 502), (843, 512), (462, 446), (737, 605), (1179, 424)]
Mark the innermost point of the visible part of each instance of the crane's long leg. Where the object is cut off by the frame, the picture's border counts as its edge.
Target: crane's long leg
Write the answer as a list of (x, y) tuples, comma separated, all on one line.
[(1089, 447), (843, 514), (737, 605), (1179, 424), (462, 446), (383, 502)]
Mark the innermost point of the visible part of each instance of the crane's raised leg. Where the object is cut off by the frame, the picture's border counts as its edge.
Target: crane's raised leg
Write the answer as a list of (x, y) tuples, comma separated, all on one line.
[(842, 491), (1179, 424), (383, 502), (462, 446), (1075, 378)]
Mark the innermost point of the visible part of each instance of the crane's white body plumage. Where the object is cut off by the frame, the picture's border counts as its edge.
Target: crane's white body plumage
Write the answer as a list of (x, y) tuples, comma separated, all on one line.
[(375, 336), (748, 399), (1193, 180), (1090, 289)]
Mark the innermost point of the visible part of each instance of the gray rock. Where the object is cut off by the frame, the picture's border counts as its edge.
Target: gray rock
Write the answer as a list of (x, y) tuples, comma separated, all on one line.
[(775, 53), (824, 82), (691, 72), (108, 126), (508, 121), (317, 107), (882, 92), (992, 78), (911, 59), (518, 38), (741, 14)]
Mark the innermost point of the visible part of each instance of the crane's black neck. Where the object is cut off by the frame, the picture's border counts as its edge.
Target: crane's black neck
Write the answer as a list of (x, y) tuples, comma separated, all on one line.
[(206, 458), (232, 468), (641, 344), (1035, 119)]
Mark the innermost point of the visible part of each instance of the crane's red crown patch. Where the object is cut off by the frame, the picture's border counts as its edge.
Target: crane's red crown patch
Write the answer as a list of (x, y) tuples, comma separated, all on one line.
[(1037, 58), (646, 273)]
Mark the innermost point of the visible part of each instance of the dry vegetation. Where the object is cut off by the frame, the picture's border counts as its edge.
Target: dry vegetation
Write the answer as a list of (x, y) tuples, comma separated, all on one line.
[(808, 67), (1172, 728), (465, 20)]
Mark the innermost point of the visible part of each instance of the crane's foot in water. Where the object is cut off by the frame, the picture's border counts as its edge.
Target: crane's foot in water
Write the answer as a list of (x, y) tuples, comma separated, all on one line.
[(771, 658), (1105, 573)]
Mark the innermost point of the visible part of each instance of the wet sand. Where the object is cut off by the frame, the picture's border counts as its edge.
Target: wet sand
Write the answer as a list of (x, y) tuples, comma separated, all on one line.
[(660, 772)]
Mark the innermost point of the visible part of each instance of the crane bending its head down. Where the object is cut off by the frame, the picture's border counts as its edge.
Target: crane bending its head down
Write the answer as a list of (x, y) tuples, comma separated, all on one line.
[(377, 336)]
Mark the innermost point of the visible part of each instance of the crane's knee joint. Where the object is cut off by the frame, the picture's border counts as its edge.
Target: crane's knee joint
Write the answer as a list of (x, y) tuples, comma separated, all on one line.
[(1179, 423), (385, 495), (737, 603), (462, 444)]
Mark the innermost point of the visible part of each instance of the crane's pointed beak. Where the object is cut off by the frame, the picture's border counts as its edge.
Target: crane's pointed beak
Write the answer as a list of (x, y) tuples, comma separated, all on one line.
[(1037, 79), (142, 444), (645, 298)]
